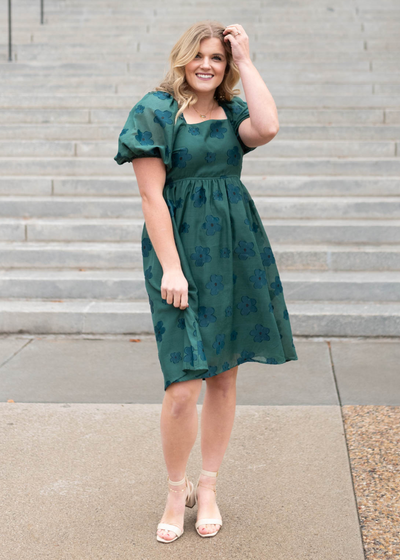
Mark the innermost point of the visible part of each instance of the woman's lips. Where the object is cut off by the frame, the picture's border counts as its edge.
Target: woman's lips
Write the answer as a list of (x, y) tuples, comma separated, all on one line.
[(205, 79)]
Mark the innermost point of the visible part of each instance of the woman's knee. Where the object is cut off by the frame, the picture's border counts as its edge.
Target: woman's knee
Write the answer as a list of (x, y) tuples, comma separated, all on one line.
[(224, 382), (183, 396)]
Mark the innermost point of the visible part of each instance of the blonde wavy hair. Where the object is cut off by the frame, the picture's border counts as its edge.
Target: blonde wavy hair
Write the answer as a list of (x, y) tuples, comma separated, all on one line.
[(185, 50)]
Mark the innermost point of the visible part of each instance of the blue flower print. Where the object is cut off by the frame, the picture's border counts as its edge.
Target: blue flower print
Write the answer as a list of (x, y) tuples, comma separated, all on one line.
[(162, 94), (175, 357), (146, 246), (211, 371), (174, 205), (234, 335), (217, 195), (144, 138), (206, 316), (254, 227), (171, 206), (234, 278), (124, 131), (151, 302), (247, 305), (211, 225), (162, 117), (189, 355), (246, 197), (194, 329), (277, 286), (286, 315), (194, 130), (223, 176), (180, 157), (260, 333), (219, 343), (224, 253), (199, 197), (233, 156), (181, 323), (159, 330), (259, 278), (200, 350), (267, 256), (210, 157), (164, 301), (234, 193), (201, 255), (236, 108), (148, 274), (244, 250), (225, 366), (228, 311), (217, 130), (139, 109), (271, 361), (270, 307), (215, 284), (245, 356), (184, 228)]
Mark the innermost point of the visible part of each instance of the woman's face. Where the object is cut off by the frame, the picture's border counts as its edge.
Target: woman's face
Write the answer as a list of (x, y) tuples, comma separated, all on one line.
[(209, 61)]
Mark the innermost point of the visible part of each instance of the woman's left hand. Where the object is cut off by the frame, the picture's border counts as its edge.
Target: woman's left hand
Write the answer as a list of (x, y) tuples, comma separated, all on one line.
[(239, 42)]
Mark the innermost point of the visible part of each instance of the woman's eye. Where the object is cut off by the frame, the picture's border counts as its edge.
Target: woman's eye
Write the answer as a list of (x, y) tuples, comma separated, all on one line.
[(217, 57)]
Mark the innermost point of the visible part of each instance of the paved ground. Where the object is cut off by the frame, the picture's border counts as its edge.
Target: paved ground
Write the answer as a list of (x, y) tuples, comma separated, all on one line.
[(310, 471)]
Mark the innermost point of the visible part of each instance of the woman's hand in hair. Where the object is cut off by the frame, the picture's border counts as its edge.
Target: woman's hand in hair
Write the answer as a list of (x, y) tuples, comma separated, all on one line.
[(239, 43)]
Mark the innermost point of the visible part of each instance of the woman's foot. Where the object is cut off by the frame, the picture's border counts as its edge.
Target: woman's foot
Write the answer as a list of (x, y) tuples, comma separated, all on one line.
[(207, 505), (174, 510)]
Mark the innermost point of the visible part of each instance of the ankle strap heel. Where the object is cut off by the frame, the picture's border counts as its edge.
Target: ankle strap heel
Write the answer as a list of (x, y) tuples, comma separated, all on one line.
[(207, 521)]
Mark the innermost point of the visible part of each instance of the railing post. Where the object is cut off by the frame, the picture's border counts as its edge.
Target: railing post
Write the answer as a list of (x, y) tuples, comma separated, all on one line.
[(9, 32), (41, 10)]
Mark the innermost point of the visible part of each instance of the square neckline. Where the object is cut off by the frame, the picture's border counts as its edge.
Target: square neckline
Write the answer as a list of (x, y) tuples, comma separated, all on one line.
[(208, 120)]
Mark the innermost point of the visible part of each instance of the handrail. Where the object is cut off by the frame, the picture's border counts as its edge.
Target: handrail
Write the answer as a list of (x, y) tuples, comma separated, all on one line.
[(10, 26)]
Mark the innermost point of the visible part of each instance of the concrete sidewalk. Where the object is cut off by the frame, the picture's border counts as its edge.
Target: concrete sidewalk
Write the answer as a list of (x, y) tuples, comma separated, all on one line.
[(83, 474)]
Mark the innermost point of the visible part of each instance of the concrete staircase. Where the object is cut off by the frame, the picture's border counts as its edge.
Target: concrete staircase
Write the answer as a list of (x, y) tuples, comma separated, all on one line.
[(327, 187)]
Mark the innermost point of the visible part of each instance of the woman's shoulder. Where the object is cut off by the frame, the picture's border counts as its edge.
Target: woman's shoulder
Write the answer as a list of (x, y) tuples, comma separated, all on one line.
[(236, 105), (155, 101)]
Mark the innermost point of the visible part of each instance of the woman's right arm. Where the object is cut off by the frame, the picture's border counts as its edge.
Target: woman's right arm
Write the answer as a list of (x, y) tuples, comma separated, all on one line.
[(150, 174)]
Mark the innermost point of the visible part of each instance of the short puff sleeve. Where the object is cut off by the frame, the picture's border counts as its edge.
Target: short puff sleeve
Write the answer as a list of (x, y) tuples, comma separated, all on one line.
[(239, 112), (149, 129)]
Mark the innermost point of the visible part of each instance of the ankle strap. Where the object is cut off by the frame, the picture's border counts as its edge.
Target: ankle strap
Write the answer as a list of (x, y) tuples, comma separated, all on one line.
[(209, 473), (178, 482)]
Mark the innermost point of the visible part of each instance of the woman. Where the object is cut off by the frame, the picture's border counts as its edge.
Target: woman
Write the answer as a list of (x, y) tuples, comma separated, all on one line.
[(214, 290)]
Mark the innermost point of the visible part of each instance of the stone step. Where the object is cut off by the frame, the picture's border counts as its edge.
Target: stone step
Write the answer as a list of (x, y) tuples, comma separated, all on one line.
[(63, 87), (257, 185), (129, 285), (96, 131), (126, 78), (129, 255), (73, 166), (287, 231), (308, 318), (103, 109), (279, 148), (268, 207)]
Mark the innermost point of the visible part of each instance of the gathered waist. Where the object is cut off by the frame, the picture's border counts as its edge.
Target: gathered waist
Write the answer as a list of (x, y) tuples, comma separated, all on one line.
[(170, 180)]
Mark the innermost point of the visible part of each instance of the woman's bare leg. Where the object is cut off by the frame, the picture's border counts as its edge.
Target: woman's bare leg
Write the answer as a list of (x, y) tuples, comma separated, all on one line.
[(179, 424), (217, 417)]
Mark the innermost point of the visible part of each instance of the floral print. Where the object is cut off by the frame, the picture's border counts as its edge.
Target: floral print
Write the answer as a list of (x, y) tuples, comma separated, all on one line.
[(237, 311)]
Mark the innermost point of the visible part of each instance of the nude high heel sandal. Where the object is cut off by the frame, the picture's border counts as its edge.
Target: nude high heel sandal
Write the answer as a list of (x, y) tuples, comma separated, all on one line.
[(190, 502), (207, 521)]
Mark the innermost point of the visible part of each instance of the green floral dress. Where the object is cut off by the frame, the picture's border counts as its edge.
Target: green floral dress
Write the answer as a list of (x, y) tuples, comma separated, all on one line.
[(237, 311)]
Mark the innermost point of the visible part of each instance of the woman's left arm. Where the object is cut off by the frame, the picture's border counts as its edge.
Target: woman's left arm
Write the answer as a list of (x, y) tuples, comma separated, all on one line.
[(263, 123)]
